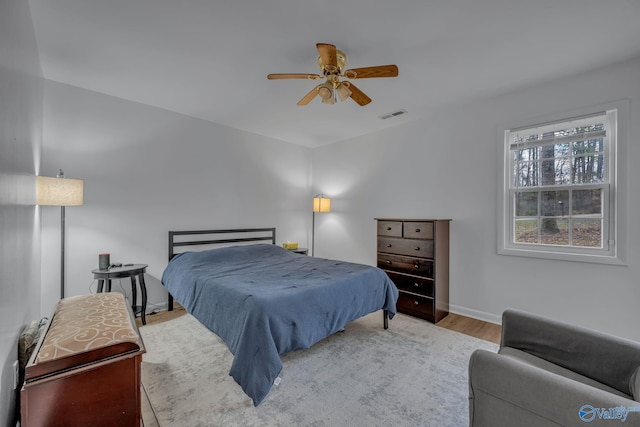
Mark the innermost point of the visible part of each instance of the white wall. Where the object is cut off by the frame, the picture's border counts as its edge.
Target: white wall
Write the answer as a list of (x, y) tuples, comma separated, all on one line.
[(148, 171), (446, 166), (20, 147)]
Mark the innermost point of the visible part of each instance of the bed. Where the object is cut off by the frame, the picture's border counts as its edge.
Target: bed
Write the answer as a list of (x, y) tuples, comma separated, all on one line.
[(264, 300)]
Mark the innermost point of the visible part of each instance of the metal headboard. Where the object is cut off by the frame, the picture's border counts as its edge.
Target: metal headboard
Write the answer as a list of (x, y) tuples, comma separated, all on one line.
[(253, 235)]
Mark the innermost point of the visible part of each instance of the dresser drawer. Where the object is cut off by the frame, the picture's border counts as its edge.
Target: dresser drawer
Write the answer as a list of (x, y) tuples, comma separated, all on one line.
[(418, 248), (404, 264), (415, 284), (390, 228), (418, 230), (415, 305)]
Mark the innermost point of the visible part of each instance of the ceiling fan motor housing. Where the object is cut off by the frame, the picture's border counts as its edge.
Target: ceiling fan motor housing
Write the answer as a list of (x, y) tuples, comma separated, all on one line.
[(328, 69)]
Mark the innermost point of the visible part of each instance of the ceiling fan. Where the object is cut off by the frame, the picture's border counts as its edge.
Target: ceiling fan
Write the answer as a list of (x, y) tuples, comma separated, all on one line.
[(332, 62)]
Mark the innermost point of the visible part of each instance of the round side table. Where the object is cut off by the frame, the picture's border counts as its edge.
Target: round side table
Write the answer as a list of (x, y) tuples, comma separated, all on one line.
[(132, 271)]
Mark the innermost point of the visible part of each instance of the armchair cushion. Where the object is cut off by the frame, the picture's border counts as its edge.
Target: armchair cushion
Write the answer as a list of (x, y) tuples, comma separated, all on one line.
[(558, 370)]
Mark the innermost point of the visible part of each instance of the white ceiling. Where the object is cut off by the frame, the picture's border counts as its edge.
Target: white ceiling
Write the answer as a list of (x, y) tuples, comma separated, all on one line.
[(209, 58)]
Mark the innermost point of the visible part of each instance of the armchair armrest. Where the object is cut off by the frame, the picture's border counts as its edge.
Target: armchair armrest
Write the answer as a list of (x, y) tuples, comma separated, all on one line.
[(605, 358), (504, 391)]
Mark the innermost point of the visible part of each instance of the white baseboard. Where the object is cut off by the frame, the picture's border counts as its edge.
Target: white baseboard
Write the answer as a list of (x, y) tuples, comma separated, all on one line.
[(476, 314)]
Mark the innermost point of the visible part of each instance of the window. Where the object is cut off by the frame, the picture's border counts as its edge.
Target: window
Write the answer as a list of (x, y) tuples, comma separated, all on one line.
[(559, 189)]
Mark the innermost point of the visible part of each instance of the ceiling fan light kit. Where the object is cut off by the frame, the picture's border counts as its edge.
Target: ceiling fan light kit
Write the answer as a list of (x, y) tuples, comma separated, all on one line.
[(332, 62), (343, 90), (325, 91)]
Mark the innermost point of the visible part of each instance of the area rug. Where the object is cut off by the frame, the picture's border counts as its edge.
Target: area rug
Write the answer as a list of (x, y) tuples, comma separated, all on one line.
[(412, 374)]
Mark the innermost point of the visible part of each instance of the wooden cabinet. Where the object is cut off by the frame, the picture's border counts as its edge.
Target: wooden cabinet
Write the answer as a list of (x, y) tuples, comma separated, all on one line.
[(85, 370), (415, 255)]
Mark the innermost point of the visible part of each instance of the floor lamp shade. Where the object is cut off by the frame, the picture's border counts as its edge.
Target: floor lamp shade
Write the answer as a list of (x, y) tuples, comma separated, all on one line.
[(321, 204), (59, 191)]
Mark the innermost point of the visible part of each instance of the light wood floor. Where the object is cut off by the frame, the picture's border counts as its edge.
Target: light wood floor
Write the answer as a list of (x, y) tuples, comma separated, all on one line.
[(455, 322), (163, 316), (473, 327)]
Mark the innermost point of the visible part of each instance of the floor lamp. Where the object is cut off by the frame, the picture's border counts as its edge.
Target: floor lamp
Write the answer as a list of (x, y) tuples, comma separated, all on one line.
[(60, 191), (320, 204)]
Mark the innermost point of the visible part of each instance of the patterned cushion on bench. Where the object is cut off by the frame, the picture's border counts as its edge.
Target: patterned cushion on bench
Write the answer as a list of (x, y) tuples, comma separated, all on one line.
[(88, 322)]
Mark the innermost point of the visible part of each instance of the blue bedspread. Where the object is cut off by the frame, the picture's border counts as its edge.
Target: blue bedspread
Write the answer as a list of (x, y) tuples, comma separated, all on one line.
[(264, 301)]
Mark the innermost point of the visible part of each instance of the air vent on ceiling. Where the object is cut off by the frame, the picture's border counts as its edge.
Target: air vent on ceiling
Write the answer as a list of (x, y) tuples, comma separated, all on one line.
[(393, 114)]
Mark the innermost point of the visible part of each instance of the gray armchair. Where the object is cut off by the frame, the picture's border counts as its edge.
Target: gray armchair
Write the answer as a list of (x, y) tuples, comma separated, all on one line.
[(549, 373)]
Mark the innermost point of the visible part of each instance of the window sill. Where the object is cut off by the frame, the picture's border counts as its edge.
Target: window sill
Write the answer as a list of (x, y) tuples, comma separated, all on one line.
[(563, 256)]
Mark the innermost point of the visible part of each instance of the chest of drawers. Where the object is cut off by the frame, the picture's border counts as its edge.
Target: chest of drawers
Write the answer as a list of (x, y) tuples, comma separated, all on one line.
[(415, 255)]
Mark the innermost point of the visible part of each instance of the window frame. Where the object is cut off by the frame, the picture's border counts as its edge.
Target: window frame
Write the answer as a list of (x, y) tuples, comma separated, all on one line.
[(614, 191)]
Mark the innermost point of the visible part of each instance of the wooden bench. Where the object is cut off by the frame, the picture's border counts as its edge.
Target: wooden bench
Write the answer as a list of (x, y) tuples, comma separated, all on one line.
[(85, 369)]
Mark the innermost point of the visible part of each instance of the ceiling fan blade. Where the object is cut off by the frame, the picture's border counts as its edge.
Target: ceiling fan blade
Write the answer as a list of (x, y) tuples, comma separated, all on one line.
[(308, 97), (358, 96), (367, 72), (293, 76), (327, 54)]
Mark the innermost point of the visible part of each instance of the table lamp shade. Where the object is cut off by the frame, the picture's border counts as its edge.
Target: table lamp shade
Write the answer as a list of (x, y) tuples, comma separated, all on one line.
[(59, 191), (321, 204)]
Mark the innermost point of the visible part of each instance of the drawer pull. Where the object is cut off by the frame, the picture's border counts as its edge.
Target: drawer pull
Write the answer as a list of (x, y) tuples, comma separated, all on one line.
[(416, 285), (389, 245), (417, 248), (416, 266), (416, 303), (388, 228), (417, 230), (388, 262)]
